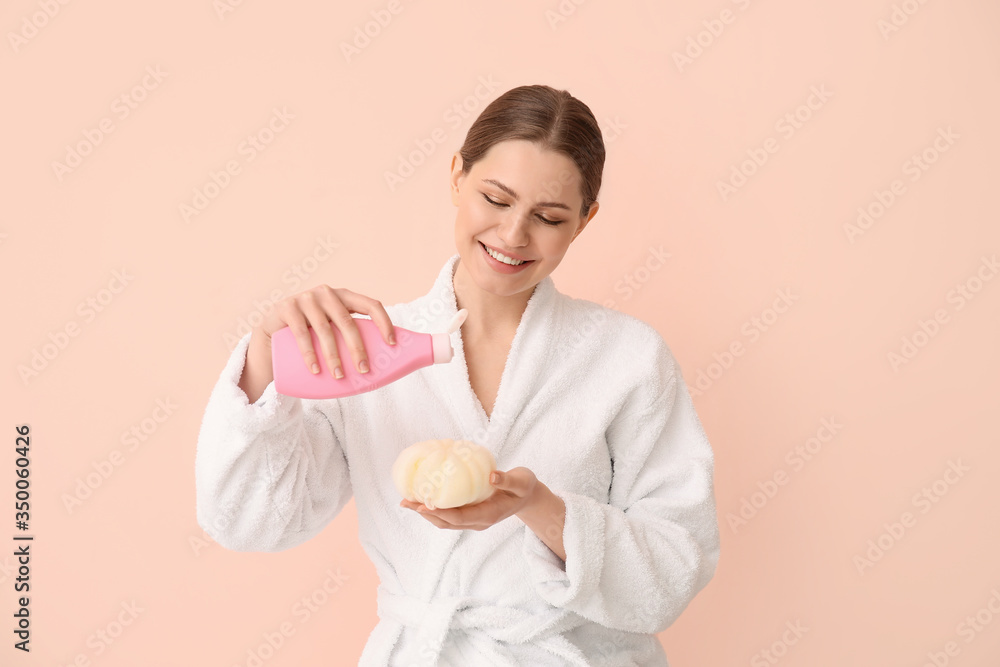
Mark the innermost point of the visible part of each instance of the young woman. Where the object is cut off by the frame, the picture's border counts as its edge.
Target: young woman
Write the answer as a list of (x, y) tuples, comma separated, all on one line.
[(602, 527)]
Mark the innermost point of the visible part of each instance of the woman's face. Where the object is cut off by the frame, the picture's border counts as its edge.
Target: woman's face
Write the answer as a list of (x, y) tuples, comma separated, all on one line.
[(522, 201)]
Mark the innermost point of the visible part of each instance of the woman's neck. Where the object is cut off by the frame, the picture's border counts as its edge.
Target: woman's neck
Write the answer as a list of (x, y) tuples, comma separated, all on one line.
[(489, 315)]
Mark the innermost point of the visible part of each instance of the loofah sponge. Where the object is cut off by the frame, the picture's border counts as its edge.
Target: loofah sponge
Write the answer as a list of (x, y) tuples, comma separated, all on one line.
[(444, 473)]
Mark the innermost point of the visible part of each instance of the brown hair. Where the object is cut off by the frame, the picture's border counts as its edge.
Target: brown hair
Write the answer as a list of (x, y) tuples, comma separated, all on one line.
[(553, 119)]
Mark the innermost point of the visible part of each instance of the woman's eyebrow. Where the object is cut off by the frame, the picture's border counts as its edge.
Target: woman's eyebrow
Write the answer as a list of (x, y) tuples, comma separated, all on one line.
[(544, 204)]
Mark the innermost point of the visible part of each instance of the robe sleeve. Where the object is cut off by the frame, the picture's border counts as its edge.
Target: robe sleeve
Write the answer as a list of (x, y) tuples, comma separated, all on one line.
[(635, 563), (268, 475)]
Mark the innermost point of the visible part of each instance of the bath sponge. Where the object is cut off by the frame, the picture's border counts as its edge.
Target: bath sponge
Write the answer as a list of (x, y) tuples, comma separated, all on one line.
[(444, 473)]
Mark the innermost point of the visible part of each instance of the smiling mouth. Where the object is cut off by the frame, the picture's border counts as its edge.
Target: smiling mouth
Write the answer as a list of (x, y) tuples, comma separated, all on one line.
[(490, 251)]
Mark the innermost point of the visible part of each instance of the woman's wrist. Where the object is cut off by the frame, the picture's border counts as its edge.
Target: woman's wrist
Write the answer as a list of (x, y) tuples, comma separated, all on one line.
[(545, 515), (257, 370)]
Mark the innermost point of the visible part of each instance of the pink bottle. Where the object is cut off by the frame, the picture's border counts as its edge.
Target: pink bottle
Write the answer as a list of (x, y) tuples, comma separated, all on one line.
[(387, 363)]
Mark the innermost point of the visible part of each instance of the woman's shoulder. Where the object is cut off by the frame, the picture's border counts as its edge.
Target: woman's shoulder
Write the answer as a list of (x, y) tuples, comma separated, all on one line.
[(621, 344), (614, 328)]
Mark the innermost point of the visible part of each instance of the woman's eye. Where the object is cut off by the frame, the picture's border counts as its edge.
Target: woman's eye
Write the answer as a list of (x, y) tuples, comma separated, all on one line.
[(502, 205), (495, 203)]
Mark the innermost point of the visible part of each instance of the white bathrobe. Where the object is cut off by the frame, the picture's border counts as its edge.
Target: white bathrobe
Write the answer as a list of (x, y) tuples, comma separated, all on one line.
[(591, 400)]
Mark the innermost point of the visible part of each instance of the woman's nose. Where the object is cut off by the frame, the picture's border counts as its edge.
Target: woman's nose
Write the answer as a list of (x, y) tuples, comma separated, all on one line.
[(514, 231)]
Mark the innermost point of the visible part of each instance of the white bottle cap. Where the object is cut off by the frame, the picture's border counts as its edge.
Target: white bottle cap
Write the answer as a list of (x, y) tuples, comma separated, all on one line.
[(457, 321), (441, 346)]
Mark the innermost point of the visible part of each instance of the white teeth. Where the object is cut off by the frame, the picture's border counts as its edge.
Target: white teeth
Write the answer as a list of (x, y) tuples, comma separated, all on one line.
[(503, 258)]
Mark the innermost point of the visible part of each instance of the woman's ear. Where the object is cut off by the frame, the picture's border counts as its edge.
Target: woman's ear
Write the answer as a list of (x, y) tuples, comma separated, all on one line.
[(590, 215), (456, 177)]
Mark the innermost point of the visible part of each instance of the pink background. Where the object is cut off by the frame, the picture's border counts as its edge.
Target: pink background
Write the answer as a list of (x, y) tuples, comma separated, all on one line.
[(674, 131)]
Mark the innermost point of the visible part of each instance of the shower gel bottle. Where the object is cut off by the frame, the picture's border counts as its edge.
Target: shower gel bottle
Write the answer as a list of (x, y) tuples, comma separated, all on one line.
[(387, 363)]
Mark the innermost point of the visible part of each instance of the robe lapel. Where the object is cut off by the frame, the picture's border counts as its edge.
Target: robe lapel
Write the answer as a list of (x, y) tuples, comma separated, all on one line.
[(522, 374), (523, 369)]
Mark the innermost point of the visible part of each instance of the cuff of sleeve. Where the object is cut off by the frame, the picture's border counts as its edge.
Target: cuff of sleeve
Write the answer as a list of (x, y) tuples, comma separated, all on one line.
[(583, 540), (269, 408)]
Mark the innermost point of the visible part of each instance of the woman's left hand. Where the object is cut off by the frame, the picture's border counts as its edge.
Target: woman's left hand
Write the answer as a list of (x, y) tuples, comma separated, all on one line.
[(513, 491)]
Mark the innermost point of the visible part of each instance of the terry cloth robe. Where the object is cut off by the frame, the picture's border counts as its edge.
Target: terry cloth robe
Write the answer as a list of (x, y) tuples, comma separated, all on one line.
[(591, 400)]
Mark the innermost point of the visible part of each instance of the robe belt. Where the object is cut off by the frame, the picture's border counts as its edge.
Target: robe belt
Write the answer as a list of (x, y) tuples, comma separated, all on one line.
[(435, 618)]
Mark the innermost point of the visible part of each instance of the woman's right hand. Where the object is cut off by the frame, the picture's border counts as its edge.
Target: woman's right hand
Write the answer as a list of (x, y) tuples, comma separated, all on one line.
[(321, 308)]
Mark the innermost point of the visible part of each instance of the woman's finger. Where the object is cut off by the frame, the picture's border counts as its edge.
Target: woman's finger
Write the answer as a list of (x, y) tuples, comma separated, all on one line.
[(376, 311), (309, 304), (339, 304)]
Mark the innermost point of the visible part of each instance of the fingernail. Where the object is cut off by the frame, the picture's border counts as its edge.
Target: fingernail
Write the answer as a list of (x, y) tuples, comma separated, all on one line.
[(363, 366), (392, 339), (315, 368), (494, 478), (338, 373)]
